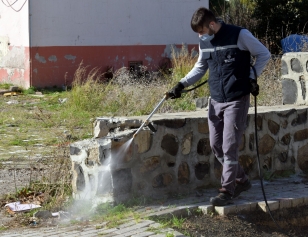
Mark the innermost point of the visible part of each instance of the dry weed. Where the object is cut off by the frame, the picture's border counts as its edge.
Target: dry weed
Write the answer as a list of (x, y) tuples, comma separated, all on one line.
[(270, 85)]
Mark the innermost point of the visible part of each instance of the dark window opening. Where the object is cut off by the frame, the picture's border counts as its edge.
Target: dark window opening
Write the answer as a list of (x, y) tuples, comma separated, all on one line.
[(134, 66)]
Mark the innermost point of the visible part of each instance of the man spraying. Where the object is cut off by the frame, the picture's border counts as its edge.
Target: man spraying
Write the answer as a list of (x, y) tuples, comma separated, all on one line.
[(226, 51)]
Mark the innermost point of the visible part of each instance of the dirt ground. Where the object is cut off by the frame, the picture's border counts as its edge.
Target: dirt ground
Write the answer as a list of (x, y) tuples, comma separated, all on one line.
[(291, 222), (14, 178)]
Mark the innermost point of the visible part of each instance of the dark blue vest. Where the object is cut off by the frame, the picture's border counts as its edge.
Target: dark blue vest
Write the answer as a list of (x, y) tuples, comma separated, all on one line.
[(228, 65)]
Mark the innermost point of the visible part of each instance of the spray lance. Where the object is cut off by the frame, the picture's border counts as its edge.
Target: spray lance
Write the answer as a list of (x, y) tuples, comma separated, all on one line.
[(166, 96), (147, 121)]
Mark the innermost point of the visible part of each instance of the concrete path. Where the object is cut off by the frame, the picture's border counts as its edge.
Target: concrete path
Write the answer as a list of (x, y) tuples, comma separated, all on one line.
[(281, 193)]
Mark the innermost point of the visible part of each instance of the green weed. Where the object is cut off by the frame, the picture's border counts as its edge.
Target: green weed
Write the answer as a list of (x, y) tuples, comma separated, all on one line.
[(3, 228), (29, 91), (114, 215), (5, 85), (174, 222)]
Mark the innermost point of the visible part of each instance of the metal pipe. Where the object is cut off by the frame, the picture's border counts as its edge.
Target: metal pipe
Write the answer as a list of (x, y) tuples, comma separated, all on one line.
[(151, 114)]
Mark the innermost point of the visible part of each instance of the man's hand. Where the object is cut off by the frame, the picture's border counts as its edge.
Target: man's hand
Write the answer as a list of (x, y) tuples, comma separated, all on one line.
[(175, 92), (254, 87)]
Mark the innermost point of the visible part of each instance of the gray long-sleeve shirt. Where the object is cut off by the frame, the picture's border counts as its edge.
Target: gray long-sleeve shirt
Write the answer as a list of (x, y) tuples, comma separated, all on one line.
[(246, 41)]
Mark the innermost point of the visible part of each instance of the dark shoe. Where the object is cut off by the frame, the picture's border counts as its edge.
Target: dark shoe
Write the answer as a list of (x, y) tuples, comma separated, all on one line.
[(221, 199), (241, 187)]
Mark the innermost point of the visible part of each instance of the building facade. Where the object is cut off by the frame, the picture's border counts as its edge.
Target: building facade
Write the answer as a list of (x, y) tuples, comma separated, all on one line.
[(43, 42)]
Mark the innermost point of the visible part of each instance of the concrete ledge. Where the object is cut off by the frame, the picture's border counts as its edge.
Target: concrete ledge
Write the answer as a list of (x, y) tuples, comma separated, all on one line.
[(207, 209), (273, 205)]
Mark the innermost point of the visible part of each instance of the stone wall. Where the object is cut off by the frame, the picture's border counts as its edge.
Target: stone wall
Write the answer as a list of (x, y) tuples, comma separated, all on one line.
[(177, 159), (294, 78)]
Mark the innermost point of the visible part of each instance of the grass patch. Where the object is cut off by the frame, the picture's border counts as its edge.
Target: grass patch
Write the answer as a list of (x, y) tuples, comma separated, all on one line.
[(173, 222), (5, 86), (115, 215), (3, 228), (167, 222), (30, 91)]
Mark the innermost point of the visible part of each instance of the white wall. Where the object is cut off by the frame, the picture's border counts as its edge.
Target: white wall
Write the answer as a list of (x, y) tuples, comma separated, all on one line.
[(14, 42), (112, 22), (14, 26)]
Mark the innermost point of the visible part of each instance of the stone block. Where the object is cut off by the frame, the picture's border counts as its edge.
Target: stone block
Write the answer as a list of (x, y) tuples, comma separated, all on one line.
[(207, 209), (170, 144), (217, 169), (150, 164), (289, 91), (273, 126), (183, 173), (306, 200), (201, 102), (143, 141), (203, 126), (225, 210), (259, 123), (302, 158), (273, 205), (282, 157), (162, 180), (202, 169), (243, 143), (266, 144), (284, 68), (300, 119), (251, 142), (285, 140), (285, 203), (186, 143), (243, 207), (203, 147), (253, 206), (122, 181), (301, 135), (284, 124), (296, 202), (247, 163), (102, 126), (296, 65)]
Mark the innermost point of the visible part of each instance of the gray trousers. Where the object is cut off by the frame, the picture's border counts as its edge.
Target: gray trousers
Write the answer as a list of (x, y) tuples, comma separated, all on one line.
[(227, 122)]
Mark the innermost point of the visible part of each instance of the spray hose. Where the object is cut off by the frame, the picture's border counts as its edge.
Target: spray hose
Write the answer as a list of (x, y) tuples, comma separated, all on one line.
[(258, 157)]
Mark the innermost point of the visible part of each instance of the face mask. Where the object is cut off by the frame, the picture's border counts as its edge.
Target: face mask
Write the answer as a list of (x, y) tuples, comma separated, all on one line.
[(206, 37)]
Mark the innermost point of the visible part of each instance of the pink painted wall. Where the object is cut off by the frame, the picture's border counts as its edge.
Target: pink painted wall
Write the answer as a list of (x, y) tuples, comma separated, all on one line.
[(50, 64)]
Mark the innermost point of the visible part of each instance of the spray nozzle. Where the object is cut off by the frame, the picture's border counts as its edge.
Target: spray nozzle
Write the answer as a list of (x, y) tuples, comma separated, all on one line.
[(152, 128), (147, 120), (117, 139), (147, 124)]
